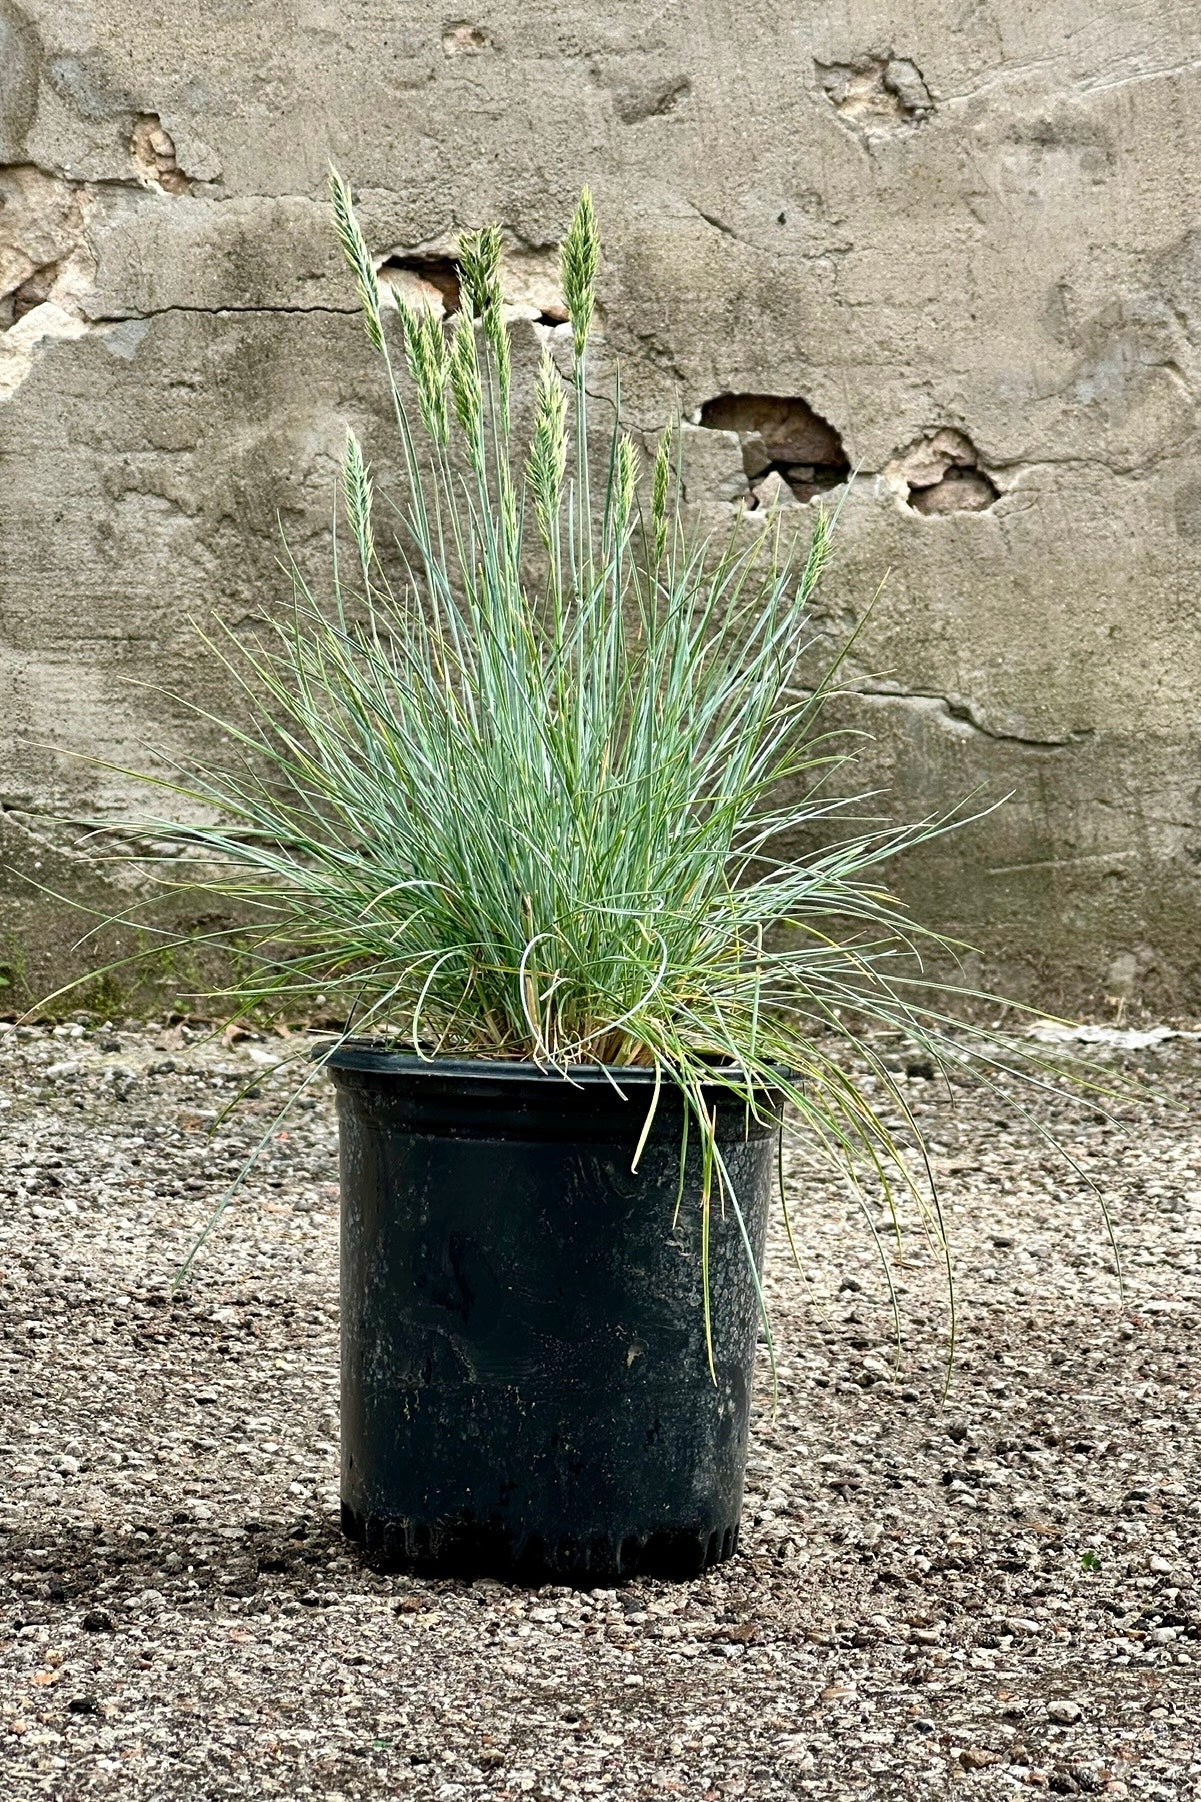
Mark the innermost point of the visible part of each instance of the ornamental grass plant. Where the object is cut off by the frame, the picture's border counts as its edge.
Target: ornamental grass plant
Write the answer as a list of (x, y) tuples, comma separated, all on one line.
[(543, 778)]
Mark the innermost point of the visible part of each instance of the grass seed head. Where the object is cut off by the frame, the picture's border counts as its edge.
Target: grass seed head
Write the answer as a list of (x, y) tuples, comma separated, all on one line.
[(625, 482), (579, 260), (358, 493), (479, 270), (466, 385), (546, 465), (660, 490), (354, 249), (429, 365)]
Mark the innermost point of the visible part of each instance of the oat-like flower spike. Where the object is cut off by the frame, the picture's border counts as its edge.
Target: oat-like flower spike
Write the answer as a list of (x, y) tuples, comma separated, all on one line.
[(354, 249), (660, 489), (547, 462), (466, 387), (429, 365), (480, 285), (357, 490), (625, 484), (479, 270), (579, 260)]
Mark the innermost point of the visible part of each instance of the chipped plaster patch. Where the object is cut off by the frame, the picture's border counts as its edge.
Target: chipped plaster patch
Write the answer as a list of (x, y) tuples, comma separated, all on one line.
[(940, 473), (20, 344), (877, 93), (462, 38), (153, 151), (46, 267), (43, 222)]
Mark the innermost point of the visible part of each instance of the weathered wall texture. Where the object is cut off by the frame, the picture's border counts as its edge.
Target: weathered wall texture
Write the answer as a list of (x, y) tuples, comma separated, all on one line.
[(960, 236)]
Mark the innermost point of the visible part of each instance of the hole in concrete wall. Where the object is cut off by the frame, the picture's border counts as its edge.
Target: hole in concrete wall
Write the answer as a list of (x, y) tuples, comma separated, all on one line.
[(529, 282), (153, 151), (941, 473), (959, 491), (32, 292), (876, 93), (788, 450), (423, 279), (553, 315), (462, 38)]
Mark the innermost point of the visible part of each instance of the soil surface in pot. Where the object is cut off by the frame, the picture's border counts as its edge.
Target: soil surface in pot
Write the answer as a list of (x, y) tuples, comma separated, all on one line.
[(1000, 1587)]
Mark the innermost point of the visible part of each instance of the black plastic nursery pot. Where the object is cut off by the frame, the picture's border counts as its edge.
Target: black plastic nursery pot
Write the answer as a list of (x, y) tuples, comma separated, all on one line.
[(526, 1392)]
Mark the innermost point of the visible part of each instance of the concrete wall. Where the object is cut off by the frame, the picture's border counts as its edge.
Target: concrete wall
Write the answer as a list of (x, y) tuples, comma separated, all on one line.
[(960, 236)]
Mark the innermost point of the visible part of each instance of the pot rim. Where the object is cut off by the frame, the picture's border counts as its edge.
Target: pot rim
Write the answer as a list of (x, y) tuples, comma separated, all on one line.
[(371, 1055)]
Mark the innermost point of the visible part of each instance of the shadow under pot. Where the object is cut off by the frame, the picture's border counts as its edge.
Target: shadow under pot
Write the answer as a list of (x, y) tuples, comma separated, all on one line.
[(526, 1391)]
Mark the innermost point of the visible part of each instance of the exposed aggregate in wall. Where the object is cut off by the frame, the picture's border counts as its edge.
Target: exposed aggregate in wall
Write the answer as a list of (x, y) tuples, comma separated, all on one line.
[(947, 247)]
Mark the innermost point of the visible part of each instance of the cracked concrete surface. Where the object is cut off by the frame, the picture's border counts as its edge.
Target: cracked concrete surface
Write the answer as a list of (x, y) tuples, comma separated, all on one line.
[(960, 235), (965, 713)]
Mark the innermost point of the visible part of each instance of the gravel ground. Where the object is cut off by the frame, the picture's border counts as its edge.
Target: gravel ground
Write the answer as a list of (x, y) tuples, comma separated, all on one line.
[(995, 1589)]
